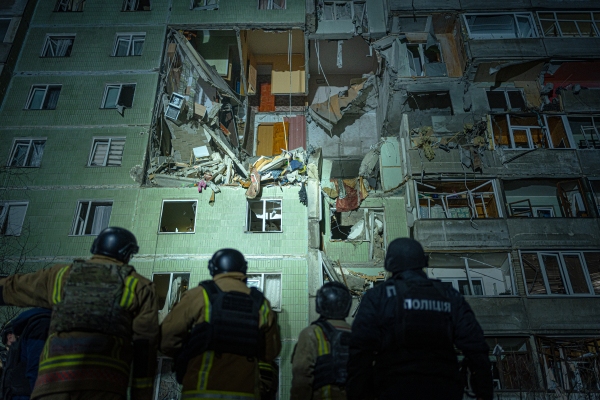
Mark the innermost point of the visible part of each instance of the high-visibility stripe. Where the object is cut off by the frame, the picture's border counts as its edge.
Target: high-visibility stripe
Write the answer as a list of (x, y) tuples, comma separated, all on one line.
[(322, 343), (205, 367), (129, 291), (56, 293), (142, 383), (215, 394), (264, 311), (326, 392), (207, 306), (83, 360)]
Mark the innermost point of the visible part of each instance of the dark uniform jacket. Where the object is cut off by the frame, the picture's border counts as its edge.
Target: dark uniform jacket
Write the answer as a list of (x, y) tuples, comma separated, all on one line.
[(378, 359), (79, 361), (213, 375)]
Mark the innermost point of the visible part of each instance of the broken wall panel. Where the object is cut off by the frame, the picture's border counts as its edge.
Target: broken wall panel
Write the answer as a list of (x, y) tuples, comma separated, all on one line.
[(463, 234)]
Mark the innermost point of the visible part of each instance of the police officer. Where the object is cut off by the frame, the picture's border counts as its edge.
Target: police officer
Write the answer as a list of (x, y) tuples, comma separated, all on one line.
[(319, 362), (220, 331), (404, 334), (104, 318)]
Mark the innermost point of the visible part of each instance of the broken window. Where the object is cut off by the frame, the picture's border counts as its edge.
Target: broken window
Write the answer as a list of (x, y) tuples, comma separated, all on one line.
[(561, 272), (439, 102), (344, 10), (569, 24), (69, 5), (595, 185), (364, 225), (513, 367), (116, 95), (128, 44), (474, 274), (500, 26), (178, 216), (264, 216), (204, 5), (530, 132), (570, 365), (271, 4), (26, 152), (12, 216), (545, 198), (91, 217), (58, 46), (585, 131), (269, 284), (462, 199), (136, 5), (169, 287), (43, 97), (425, 61), (166, 386), (506, 100), (107, 152)]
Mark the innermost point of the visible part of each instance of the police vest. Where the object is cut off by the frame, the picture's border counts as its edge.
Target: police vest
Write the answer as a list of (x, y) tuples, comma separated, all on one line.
[(423, 338), (332, 355), (94, 298)]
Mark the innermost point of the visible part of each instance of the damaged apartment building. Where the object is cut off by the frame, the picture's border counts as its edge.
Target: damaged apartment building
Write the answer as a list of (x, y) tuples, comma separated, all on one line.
[(311, 133)]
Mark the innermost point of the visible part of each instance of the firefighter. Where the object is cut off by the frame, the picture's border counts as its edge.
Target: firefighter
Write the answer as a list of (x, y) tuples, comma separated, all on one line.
[(220, 331), (104, 319), (404, 334), (319, 362)]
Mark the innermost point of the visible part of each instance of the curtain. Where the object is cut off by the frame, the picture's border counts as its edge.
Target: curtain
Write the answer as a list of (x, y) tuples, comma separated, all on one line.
[(15, 218), (52, 98), (62, 46), (101, 219), (99, 155), (272, 289), (36, 154), (138, 44)]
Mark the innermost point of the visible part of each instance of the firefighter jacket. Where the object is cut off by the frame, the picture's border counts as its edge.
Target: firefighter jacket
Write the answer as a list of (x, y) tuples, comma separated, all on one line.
[(312, 344), (74, 360), (409, 326), (214, 374)]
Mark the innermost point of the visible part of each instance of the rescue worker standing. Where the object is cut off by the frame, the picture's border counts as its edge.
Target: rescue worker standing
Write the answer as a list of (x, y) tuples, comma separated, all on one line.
[(319, 362), (219, 331), (104, 319), (404, 334)]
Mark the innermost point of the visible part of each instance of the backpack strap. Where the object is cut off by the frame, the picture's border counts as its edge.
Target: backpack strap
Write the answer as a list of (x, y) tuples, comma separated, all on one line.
[(211, 289)]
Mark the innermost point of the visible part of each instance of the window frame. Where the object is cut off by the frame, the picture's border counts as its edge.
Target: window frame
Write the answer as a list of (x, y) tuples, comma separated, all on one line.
[(7, 28), (271, 5), (421, 49), (545, 129), (46, 88), (206, 5), (261, 286), (338, 3), (490, 36), (109, 140), (132, 38), (509, 107), (4, 214), (127, 3), (162, 208), (120, 86), (78, 208), (30, 143), (57, 36), (70, 4), (170, 288), (264, 202), (564, 273), (594, 23), (594, 128)]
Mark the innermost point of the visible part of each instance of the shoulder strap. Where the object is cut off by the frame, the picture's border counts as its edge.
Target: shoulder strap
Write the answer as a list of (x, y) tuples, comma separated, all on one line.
[(328, 329), (211, 288), (257, 296)]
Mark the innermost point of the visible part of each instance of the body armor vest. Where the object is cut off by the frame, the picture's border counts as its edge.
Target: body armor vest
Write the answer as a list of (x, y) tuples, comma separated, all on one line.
[(331, 368), (234, 320), (91, 300)]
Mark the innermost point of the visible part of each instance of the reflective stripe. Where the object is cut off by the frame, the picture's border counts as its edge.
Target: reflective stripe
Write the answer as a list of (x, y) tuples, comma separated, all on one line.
[(141, 383), (326, 392), (207, 360), (207, 306), (322, 343), (264, 312), (214, 394), (81, 360), (129, 291), (56, 293)]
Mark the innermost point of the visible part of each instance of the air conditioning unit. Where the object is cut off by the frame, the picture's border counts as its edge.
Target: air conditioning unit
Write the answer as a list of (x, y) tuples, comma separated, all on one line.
[(176, 104)]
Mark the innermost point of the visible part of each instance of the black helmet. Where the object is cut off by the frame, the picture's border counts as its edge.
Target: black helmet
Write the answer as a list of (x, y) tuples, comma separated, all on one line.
[(333, 300), (117, 243), (227, 260), (404, 254)]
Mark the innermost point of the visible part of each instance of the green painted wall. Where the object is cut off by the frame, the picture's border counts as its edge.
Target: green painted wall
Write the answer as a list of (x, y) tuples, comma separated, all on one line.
[(57, 169), (79, 101), (92, 49), (238, 12)]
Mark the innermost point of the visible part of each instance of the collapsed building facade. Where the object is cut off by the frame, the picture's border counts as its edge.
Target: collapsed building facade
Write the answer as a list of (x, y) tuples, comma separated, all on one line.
[(309, 134)]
